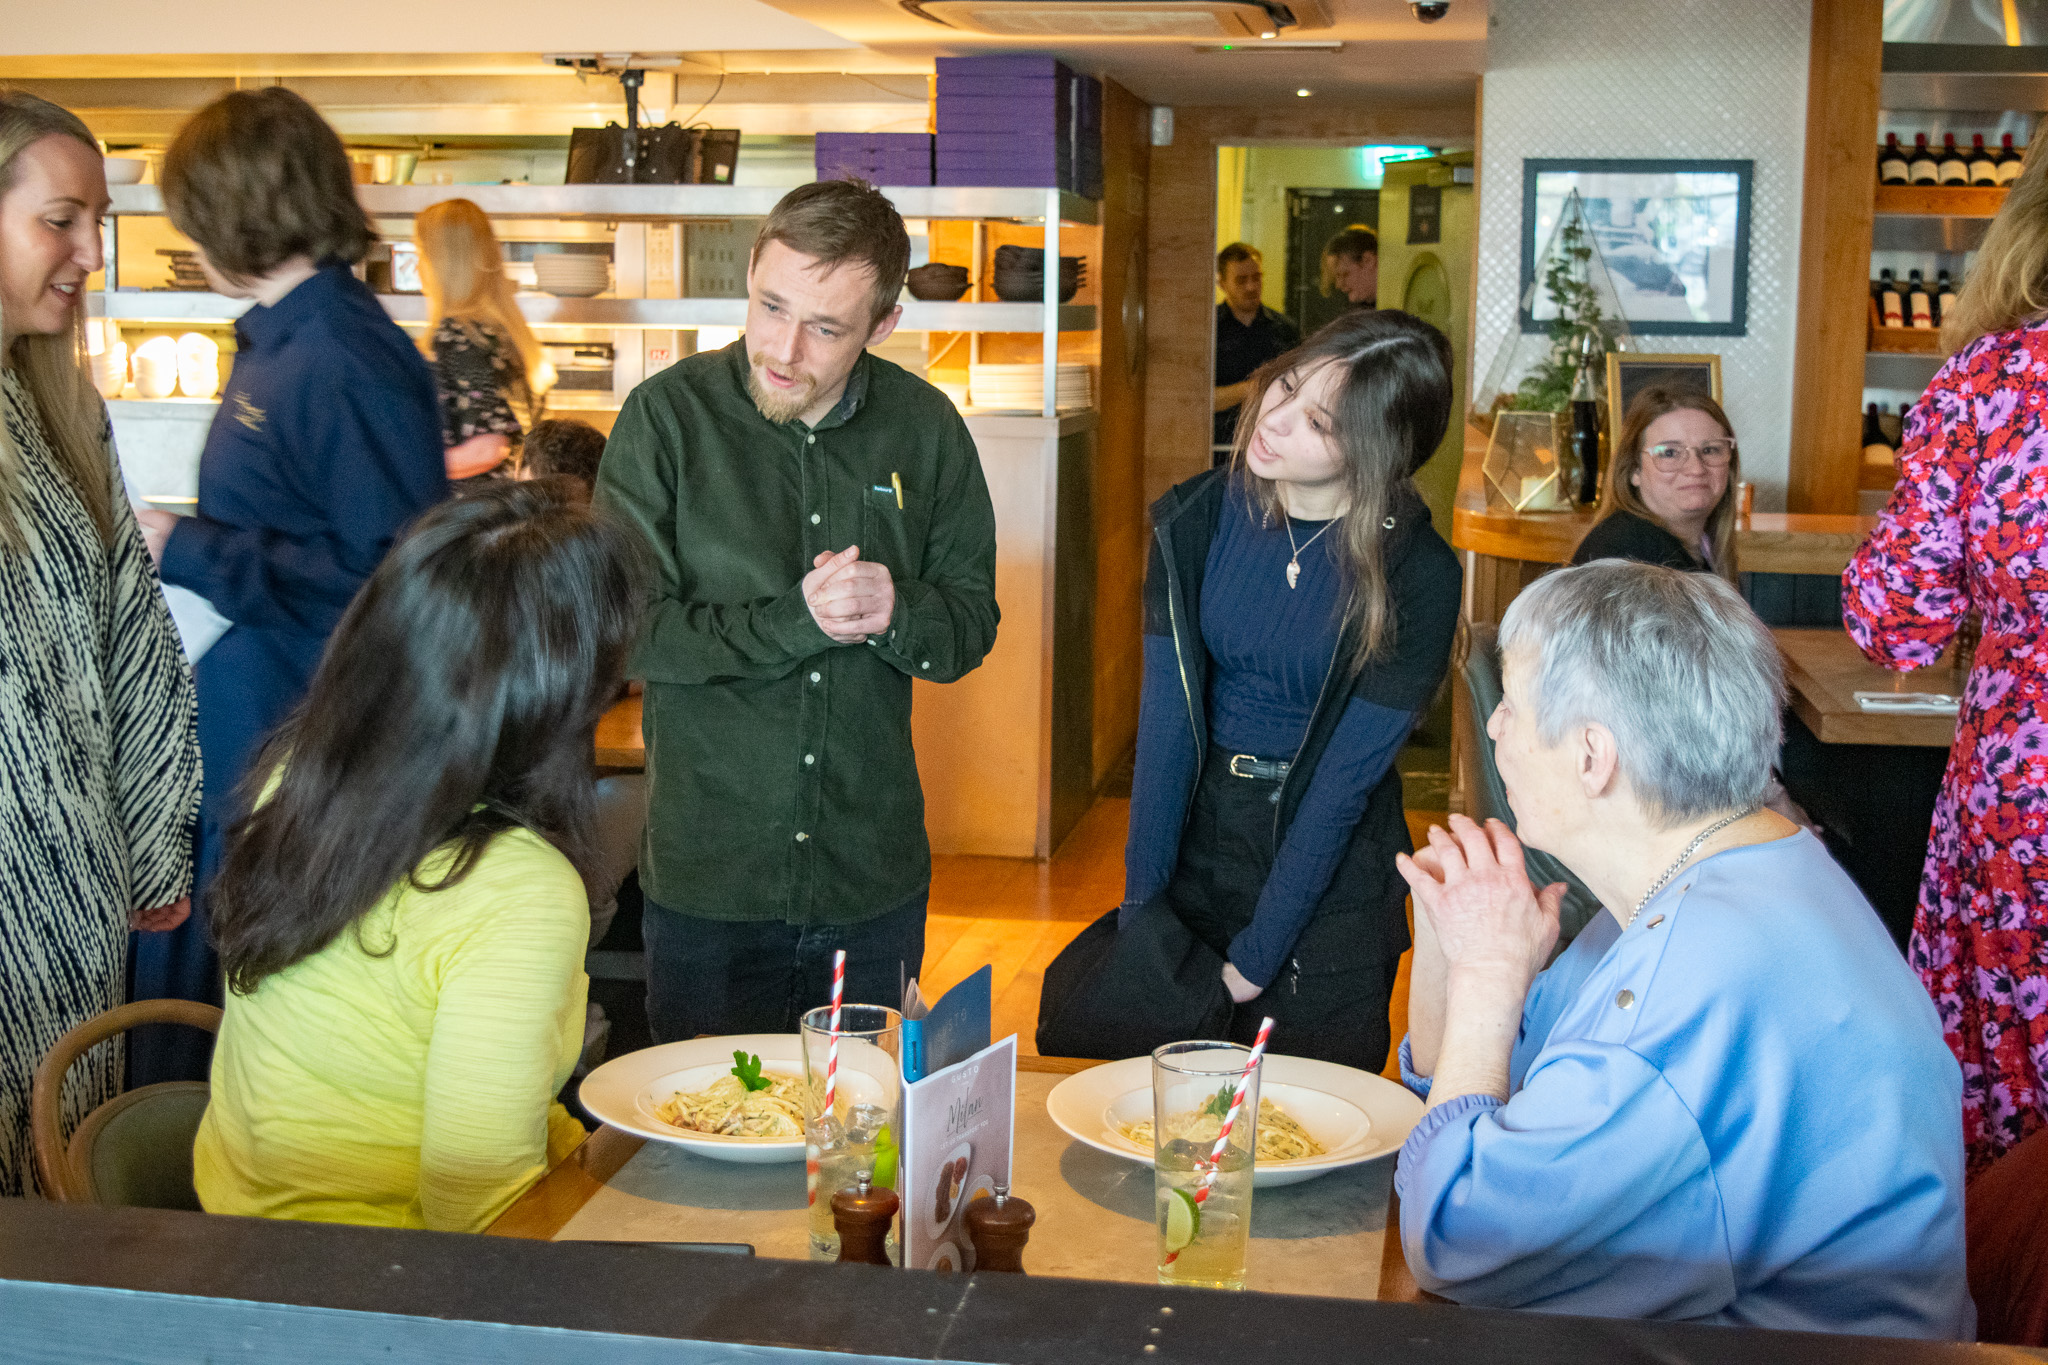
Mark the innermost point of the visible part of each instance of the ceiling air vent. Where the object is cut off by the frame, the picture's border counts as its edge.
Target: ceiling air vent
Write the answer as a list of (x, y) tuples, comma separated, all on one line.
[(1221, 19)]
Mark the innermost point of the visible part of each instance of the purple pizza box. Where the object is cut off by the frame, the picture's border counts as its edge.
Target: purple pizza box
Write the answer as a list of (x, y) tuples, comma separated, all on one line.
[(1000, 144), (1007, 88), (1004, 64)]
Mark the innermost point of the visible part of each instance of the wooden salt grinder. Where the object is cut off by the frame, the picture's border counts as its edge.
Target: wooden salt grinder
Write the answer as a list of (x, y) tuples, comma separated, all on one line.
[(999, 1226), (863, 1215)]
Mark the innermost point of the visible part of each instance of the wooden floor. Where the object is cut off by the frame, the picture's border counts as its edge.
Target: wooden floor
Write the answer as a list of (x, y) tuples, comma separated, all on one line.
[(1016, 914)]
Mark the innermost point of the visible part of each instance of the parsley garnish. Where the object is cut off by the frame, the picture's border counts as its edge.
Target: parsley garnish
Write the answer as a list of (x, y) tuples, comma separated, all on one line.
[(748, 1069)]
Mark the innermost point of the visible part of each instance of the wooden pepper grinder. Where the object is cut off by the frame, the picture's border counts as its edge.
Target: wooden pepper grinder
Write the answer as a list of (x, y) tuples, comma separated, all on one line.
[(999, 1226), (863, 1216)]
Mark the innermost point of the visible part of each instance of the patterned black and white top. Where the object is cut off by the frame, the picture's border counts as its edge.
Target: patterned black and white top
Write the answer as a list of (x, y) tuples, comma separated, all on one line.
[(481, 381), (99, 774)]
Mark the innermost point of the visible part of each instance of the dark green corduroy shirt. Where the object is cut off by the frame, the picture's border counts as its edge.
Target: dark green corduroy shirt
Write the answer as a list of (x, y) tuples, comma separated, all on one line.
[(782, 781)]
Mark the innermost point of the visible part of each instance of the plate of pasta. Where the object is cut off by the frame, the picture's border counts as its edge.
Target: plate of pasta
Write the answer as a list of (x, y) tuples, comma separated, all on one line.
[(734, 1099), (1314, 1117)]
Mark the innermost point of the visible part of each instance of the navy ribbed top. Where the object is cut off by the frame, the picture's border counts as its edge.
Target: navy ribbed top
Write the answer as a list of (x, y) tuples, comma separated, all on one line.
[(1271, 645)]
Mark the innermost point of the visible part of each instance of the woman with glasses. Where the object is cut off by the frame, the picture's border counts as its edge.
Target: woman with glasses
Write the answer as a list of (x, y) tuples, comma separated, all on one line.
[(1670, 496)]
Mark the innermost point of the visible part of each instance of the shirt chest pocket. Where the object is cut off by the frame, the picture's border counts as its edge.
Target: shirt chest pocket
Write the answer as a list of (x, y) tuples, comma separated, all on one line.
[(893, 521)]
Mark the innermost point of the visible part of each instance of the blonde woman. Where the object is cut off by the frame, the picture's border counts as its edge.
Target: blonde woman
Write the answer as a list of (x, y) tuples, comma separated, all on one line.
[(99, 752), (488, 367), (1670, 496), (1962, 536)]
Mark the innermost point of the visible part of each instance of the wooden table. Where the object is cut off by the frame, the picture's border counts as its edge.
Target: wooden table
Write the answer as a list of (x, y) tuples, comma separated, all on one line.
[(1824, 670), (619, 742), (1324, 1236)]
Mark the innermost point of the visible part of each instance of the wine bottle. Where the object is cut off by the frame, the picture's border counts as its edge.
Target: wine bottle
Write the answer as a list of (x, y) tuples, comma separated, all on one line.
[(1877, 447), (1892, 168), (1891, 304), (1944, 297), (1919, 304), (1586, 434), (1983, 165), (1953, 170), (2010, 159), (1923, 168)]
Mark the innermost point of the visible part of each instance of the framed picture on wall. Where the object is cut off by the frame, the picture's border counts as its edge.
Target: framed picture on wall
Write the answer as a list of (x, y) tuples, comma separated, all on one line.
[(1674, 236), (1630, 372)]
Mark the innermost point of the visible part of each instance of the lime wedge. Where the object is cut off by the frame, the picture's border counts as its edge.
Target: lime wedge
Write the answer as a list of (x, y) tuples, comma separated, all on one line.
[(885, 1160), (1180, 1220)]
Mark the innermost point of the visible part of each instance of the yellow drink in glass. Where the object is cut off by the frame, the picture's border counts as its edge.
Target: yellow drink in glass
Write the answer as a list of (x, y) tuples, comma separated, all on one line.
[(1203, 1198)]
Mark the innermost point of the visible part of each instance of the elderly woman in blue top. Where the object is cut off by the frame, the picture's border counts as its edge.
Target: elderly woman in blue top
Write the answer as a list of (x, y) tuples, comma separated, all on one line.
[(327, 442), (1728, 1100)]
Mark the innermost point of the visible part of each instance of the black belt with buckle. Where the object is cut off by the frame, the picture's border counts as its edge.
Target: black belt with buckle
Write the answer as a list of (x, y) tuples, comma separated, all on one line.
[(1259, 769)]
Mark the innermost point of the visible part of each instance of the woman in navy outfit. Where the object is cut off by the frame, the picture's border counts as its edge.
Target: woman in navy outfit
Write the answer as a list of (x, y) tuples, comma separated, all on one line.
[(327, 442), (1299, 612)]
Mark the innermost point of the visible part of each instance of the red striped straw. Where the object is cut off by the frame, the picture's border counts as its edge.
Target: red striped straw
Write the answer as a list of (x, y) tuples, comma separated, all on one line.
[(832, 1055), (1244, 1083)]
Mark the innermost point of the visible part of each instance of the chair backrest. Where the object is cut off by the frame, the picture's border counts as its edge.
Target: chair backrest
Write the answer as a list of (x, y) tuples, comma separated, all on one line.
[(136, 1148), (1486, 796), (2005, 1210)]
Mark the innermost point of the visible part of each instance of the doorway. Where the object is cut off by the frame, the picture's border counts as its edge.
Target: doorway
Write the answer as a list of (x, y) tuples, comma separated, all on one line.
[(1313, 217)]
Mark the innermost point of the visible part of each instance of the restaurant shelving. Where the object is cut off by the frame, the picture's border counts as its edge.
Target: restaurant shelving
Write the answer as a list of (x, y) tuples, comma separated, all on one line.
[(1940, 201)]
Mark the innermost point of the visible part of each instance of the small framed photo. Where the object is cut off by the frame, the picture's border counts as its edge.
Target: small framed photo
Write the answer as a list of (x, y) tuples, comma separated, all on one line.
[(1630, 372), (1674, 236)]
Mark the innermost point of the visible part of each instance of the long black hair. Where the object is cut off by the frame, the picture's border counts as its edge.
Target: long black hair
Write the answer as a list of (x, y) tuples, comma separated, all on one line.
[(458, 698), (1390, 409)]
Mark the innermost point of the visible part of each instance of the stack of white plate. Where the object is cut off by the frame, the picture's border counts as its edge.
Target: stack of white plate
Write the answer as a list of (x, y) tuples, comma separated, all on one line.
[(1023, 386), (572, 275)]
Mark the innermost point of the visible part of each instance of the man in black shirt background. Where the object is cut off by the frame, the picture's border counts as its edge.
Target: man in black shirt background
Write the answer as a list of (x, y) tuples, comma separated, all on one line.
[(1248, 334)]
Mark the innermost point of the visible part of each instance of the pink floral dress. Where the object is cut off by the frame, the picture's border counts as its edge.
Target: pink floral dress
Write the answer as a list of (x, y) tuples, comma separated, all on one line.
[(1967, 528)]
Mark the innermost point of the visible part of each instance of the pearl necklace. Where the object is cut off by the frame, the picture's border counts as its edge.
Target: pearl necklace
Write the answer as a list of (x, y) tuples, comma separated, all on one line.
[(1698, 842)]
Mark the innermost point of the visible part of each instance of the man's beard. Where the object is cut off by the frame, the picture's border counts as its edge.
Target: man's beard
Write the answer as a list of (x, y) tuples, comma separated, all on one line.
[(779, 405)]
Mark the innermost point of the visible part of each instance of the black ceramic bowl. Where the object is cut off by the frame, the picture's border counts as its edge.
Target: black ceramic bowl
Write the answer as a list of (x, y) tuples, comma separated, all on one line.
[(937, 282)]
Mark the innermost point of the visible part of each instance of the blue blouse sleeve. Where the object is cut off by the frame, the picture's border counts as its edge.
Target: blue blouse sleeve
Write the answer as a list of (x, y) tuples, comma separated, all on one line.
[(1367, 738), (1594, 1168), (1164, 779)]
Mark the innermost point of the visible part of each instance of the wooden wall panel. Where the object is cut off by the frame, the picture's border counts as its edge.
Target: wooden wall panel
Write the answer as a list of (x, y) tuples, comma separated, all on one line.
[(1834, 255), (1181, 234), (1119, 474)]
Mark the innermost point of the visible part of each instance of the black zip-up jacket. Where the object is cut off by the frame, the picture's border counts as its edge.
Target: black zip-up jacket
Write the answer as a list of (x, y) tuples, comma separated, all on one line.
[(1425, 583)]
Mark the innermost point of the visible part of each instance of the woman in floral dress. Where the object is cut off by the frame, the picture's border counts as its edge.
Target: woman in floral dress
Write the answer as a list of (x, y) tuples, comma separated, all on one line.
[(1966, 532)]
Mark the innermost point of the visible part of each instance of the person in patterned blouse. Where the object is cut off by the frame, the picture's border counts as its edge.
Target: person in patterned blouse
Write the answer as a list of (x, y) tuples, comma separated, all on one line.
[(488, 369), (99, 746), (1964, 538)]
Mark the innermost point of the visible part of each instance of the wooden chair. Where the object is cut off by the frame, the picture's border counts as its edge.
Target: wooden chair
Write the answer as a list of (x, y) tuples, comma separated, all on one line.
[(134, 1150), (2004, 1211)]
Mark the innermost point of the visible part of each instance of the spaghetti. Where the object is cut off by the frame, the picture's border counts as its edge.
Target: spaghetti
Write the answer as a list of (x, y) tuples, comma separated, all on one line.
[(728, 1108), (1281, 1137)]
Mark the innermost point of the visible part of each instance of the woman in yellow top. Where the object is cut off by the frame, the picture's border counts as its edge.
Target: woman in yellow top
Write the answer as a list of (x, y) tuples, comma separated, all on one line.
[(403, 914)]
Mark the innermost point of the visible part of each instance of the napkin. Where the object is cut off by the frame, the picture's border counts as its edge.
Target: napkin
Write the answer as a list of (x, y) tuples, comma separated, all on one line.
[(1909, 703)]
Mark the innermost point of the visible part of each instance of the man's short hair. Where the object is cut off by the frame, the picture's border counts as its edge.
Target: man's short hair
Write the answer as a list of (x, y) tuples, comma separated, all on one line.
[(1232, 254), (256, 178), (562, 446), (1354, 243), (841, 221)]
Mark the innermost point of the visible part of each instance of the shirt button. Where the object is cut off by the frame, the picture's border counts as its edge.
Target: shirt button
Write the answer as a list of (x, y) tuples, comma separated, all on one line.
[(801, 836), (814, 518), (926, 664), (810, 440), (810, 759), (1623, 1000), (815, 677)]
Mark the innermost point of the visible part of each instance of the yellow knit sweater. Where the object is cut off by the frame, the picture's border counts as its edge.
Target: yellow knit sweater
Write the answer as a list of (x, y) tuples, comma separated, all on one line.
[(404, 1074)]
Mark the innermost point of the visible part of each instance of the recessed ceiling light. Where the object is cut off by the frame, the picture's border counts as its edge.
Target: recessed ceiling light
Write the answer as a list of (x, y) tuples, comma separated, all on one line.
[(1304, 92)]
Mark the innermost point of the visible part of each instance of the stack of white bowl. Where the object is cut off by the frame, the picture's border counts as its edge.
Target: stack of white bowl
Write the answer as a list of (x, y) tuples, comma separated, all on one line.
[(572, 275), (1023, 386), (156, 367), (198, 365)]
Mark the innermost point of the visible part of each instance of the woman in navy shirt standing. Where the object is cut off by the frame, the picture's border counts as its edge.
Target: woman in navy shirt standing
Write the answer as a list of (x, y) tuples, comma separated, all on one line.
[(327, 442), (1299, 612)]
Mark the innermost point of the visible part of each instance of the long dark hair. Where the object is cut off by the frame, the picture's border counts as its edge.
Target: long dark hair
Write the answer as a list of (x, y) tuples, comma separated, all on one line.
[(458, 699), (1390, 409)]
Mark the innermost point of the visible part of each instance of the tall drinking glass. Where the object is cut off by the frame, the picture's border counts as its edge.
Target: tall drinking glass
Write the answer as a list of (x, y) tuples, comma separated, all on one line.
[(859, 1135), (1203, 1201)]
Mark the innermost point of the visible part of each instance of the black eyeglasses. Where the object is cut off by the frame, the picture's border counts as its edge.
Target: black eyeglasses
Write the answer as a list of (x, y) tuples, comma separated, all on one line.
[(1671, 454)]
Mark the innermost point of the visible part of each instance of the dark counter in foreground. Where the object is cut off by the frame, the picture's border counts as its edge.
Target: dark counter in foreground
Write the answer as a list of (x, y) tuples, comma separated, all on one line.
[(81, 1283)]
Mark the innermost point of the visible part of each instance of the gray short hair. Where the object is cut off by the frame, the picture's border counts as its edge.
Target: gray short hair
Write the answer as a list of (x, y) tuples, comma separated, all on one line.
[(1675, 665)]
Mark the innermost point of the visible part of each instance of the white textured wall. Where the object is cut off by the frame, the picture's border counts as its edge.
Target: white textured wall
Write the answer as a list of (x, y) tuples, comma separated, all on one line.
[(1717, 79)]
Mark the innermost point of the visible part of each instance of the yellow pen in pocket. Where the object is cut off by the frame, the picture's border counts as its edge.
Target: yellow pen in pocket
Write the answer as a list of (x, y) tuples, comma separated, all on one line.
[(896, 482)]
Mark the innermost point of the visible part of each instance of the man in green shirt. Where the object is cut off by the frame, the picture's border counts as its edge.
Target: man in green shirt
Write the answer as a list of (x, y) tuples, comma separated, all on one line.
[(822, 535)]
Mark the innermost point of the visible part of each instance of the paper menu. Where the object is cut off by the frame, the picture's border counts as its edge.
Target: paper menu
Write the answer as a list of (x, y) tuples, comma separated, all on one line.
[(937, 1035), (959, 1126)]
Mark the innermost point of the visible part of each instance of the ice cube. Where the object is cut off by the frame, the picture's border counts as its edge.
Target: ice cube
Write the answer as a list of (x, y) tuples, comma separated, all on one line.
[(865, 1122)]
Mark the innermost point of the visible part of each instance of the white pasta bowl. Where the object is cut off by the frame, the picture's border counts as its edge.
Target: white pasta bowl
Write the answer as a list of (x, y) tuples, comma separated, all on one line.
[(1356, 1116), (625, 1091)]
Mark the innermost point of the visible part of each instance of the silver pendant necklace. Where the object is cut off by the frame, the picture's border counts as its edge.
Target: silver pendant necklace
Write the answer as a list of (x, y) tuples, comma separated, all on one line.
[(1698, 842), (1294, 564)]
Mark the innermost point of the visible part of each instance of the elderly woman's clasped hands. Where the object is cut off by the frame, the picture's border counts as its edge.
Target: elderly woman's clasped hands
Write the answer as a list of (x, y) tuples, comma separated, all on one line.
[(1482, 933)]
